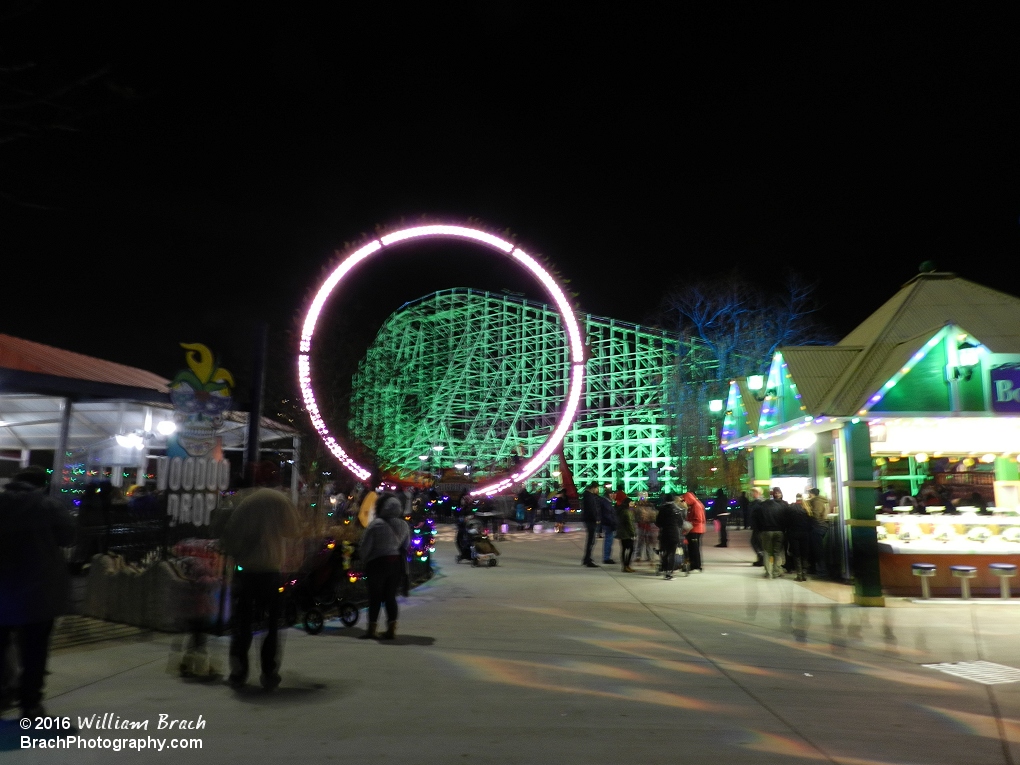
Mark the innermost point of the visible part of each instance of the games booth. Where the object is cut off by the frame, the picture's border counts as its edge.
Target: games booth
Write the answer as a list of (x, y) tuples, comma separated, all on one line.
[(911, 426)]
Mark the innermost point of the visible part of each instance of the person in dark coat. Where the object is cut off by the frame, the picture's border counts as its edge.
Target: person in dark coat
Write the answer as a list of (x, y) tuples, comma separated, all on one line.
[(771, 524), (668, 520), (34, 584), (383, 550), (798, 537), (591, 510)]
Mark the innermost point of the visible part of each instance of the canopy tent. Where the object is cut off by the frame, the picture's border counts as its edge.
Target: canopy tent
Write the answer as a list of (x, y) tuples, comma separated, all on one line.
[(58, 401)]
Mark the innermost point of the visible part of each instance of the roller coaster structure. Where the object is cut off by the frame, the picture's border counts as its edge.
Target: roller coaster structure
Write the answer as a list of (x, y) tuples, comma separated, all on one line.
[(481, 375)]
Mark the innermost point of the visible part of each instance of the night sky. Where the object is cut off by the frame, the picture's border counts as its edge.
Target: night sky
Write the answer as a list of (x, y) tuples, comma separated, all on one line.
[(226, 150)]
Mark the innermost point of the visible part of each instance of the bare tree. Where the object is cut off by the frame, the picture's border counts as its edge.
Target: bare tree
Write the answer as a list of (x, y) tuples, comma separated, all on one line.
[(731, 327), (740, 324)]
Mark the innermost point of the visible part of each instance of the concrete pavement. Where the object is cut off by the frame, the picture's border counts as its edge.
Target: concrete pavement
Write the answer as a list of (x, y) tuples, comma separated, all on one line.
[(541, 660)]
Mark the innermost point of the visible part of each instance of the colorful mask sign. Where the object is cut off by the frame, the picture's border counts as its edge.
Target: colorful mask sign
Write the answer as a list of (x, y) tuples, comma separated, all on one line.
[(201, 397), (193, 485), (194, 471)]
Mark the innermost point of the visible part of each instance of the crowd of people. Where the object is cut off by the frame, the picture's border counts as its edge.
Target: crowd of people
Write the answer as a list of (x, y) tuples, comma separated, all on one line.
[(642, 528), (786, 537), (930, 494), (258, 528)]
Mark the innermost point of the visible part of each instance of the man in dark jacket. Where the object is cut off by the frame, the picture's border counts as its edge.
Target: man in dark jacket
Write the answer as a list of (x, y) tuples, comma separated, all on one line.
[(590, 512), (771, 522), (34, 584)]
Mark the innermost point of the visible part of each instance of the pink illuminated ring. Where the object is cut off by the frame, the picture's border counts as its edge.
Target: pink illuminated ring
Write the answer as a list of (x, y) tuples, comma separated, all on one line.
[(448, 232)]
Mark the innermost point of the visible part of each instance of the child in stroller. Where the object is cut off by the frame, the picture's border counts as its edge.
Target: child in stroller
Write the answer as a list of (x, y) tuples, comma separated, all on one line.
[(474, 545), (319, 587), (680, 563)]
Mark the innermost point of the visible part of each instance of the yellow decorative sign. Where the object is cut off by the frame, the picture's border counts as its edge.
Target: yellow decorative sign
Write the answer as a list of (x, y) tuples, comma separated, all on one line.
[(194, 470)]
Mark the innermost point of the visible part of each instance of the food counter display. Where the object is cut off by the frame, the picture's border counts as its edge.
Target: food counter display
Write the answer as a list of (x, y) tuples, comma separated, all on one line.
[(964, 538)]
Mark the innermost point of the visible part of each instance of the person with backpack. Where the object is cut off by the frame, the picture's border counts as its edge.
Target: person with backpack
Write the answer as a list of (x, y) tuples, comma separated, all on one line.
[(34, 583)]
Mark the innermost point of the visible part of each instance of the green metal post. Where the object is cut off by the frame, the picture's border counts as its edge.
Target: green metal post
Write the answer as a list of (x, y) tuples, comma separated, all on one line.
[(1006, 469), (863, 535), (762, 468)]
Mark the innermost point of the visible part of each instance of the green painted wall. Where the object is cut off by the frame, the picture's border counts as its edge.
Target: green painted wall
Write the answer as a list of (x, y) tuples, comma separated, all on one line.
[(922, 389)]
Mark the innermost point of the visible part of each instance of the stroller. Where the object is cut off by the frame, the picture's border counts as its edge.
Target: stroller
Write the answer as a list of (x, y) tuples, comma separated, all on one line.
[(474, 545), (681, 563), (321, 585)]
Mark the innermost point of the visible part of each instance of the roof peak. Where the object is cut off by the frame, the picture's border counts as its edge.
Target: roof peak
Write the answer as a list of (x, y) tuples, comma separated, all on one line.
[(930, 275)]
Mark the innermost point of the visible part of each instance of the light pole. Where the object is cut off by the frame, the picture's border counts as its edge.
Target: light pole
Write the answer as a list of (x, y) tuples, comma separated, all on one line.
[(438, 449)]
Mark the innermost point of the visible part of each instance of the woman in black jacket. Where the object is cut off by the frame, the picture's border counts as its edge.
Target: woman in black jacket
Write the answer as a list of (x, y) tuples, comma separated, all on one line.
[(668, 521)]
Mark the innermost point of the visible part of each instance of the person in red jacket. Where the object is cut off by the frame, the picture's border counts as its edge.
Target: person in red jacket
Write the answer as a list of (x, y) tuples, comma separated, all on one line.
[(696, 517)]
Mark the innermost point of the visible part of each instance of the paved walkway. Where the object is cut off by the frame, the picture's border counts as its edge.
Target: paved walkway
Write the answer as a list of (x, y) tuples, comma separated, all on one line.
[(540, 660)]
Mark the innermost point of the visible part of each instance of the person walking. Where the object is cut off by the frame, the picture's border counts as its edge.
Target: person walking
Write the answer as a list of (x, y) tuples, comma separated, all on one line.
[(625, 532), (383, 552), (255, 537), (668, 521), (696, 517), (34, 584), (591, 510), (608, 517)]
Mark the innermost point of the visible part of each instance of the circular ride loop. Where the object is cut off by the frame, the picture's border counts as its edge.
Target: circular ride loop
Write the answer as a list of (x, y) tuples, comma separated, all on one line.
[(489, 242)]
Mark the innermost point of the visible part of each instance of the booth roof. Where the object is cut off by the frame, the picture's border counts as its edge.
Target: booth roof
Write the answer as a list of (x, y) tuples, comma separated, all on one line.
[(108, 398), (837, 380), (27, 356)]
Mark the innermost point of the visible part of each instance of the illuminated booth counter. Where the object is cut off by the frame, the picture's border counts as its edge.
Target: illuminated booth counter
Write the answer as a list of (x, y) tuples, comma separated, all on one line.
[(964, 539), (920, 399)]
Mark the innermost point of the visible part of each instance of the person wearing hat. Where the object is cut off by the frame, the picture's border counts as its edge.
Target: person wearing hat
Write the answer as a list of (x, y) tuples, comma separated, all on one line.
[(34, 583)]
